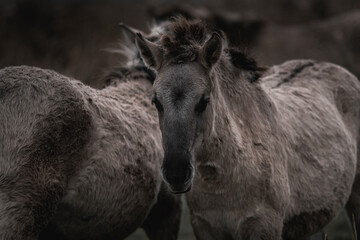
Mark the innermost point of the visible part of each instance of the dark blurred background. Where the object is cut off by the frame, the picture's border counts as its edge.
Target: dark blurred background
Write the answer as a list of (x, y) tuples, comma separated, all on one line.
[(73, 38)]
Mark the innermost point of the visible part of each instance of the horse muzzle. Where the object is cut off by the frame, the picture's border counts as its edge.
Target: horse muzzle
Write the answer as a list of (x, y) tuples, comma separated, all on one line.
[(180, 180)]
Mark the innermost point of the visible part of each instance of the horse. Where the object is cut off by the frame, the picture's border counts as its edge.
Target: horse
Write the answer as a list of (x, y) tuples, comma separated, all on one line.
[(81, 163), (261, 153)]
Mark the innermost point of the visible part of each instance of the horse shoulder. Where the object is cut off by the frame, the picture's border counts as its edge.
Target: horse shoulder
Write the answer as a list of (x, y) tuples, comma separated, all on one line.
[(44, 130)]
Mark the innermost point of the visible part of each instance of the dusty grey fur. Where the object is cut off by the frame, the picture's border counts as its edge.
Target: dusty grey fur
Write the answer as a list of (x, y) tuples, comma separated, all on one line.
[(80, 163), (275, 158)]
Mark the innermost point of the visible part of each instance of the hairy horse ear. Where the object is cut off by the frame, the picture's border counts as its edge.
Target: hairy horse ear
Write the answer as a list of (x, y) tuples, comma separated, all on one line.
[(211, 51), (150, 52), (129, 32)]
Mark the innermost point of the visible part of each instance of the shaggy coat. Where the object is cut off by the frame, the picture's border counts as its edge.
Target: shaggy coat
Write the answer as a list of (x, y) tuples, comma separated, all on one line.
[(267, 154), (80, 163)]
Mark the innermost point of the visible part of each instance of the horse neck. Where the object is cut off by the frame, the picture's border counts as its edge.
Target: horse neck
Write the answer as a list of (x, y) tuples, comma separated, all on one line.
[(242, 116)]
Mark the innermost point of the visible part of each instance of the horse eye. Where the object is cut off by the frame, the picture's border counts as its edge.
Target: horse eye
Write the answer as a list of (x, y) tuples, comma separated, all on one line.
[(157, 103), (201, 106)]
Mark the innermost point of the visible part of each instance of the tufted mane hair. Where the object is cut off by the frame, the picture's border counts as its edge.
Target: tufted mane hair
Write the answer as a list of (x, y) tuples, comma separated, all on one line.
[(183, 38)]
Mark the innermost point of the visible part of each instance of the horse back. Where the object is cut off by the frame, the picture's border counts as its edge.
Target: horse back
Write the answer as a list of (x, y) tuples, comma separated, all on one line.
[(309, 86)]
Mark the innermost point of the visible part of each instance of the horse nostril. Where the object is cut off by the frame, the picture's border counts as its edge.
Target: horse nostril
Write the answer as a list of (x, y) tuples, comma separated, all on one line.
[(188, 175), (177, 178), (163, 173)]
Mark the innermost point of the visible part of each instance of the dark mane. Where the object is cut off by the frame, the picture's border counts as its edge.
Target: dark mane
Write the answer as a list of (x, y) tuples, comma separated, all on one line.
[(183, 39), (243, 60)]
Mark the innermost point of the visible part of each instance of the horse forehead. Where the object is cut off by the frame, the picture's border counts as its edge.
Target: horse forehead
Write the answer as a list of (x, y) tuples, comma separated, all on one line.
[(182, 78)]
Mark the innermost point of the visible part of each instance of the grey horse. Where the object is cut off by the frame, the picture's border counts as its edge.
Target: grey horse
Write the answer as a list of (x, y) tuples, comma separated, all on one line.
[(267, 153), (80, 163)]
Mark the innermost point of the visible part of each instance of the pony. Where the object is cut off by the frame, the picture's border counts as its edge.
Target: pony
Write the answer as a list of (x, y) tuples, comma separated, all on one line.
[(261, 153), (81, 163)]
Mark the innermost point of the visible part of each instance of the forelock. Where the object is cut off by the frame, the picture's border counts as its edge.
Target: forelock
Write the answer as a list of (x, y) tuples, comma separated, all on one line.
[(183, 39)]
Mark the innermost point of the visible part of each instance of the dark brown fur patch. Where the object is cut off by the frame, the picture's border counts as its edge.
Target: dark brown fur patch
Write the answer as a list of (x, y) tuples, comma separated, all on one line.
[(306, 222), (243, 60), (53, 156), (294, 73), (183, 39)]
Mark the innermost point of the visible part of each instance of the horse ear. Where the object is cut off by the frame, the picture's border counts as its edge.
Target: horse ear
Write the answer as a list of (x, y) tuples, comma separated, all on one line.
[(211, 51), (129, 32), (150, 52)]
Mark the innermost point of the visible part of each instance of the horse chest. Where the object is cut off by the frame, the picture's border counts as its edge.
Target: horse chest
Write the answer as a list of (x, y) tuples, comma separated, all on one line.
[(218, 214), (107, 201)]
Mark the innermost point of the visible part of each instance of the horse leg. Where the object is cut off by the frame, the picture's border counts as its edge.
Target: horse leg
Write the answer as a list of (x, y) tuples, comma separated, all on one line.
[(202, 229), (353, 208), (317, 236), (163, 221)]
